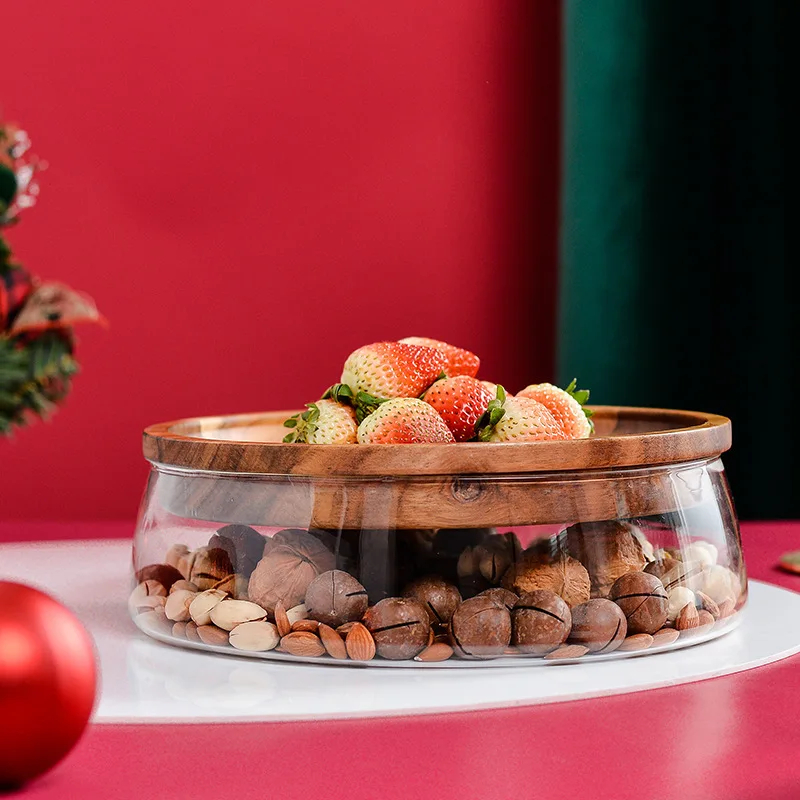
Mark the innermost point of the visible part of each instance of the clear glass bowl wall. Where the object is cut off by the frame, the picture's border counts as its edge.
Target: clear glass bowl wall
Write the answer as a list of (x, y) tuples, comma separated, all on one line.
[(383, 572)]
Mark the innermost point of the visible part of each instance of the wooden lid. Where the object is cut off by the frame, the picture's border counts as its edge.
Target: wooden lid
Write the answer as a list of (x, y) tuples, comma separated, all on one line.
[(251, 444)]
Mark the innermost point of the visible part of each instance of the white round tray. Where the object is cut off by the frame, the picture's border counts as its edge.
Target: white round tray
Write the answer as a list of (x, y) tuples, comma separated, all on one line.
[(144, 680)]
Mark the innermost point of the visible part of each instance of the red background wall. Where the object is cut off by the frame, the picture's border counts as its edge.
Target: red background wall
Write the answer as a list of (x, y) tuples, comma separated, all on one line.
[(251, 191)]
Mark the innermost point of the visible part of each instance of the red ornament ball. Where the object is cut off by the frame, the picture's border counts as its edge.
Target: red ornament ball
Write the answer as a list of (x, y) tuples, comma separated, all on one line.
[(47, 682)]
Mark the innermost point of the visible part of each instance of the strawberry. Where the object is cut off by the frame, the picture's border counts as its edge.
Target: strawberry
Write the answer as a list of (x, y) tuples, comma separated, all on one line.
[(566, 405), (460, 401), (518, 419), (325, 422), (459, 361), (392, 369), (492, 387), (403, 420)]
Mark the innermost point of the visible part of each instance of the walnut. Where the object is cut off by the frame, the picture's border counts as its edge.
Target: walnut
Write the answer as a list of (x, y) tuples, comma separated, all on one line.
[(292, 559), (565, 576), (608, 550)]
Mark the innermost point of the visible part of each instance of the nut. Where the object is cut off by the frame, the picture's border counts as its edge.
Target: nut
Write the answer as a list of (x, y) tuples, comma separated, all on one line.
[(727, 607), (179, 630), (177, 606), (598, 624), (234, 585), (565, 576), (439, 598), (720, 584), (335, 597), (343, 630), (211, 565), (156, 620), (307, 625), (502, 596), (243, 544), (296, 613), (480, 628), (704, 620), (201, 606), (190, 632), (643, 601), (287, 568), (175, 554), (359, 643), (639, 641), (281, 620), (678, 598), (687, 618), (183, 584), (400, 627), (210, 634), (255, 637), (567, 651), (707, 604), (230, 613), (146, 596), (541, 622), (665, 636), (496, 554), (689, 574), (185, 563), (704, 553), (163, 573), (438, 651), (332, 642), (302, 644)]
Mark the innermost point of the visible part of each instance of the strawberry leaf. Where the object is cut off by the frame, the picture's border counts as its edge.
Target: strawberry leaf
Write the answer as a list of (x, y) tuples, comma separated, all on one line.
[(291, 422), (340, 392), (582, 396), (484, 427)]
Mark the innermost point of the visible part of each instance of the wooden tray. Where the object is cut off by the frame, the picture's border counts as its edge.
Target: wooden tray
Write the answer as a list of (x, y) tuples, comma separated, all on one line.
[(214, 468)]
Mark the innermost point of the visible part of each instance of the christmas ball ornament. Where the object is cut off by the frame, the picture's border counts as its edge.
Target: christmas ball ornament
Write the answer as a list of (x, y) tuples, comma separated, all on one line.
[(47, 682)]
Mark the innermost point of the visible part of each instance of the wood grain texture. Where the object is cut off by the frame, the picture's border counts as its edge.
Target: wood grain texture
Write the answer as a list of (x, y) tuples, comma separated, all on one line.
[(642, 462), (251, 444)]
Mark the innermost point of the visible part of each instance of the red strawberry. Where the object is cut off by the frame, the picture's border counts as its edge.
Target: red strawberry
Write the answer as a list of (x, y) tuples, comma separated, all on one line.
[(566, 405), (325, 422), (459, 361), (403, 420), (392, 369), (518, 419), (460, 401)]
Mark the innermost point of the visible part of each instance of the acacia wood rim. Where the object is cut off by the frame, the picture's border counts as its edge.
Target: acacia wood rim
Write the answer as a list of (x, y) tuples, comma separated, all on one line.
[(657, 437)]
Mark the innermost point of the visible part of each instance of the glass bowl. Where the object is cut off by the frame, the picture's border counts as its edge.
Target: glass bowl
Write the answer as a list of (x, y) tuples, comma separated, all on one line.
[(624, 544)]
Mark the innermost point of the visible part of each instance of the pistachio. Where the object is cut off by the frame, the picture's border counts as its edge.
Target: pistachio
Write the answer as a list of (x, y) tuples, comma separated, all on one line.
[(182, 584), (177, 606), (202, 604), (230, 613), (257, 636)]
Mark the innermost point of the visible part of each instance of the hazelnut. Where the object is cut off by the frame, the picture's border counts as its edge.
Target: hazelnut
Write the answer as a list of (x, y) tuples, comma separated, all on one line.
[(502, 596), (599, 625), (399, 626), (335, 597), (163, 573), (720, 584), (704, 553), (540, 622), (243, 544), (565, 576), (287, 568), (210, 565), (480, 628), (608, 550), (643, 601), (677, 599), (439, 598)]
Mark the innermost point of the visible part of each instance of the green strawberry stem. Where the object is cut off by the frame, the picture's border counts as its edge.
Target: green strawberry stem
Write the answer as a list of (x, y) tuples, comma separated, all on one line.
[(363, 403), (484, 427), (582, 396), (304, 425)]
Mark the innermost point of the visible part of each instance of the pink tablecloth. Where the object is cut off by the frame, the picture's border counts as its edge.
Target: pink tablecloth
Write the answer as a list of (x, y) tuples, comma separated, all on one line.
[(731, 738)]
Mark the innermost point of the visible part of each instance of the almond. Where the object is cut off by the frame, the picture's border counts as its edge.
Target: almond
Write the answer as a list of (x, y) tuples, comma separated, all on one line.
[(727, 607), (281, 620), (687, 618), (332, 641), (665, 636), (345, 628), (179, 630), (359, 643), (704, 620), (306, 625), (431, 636), (177, 605), (639, 641), (210, 634), (302, 644), (190, 632), (707, 604), (567, 651), (438, 651)]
